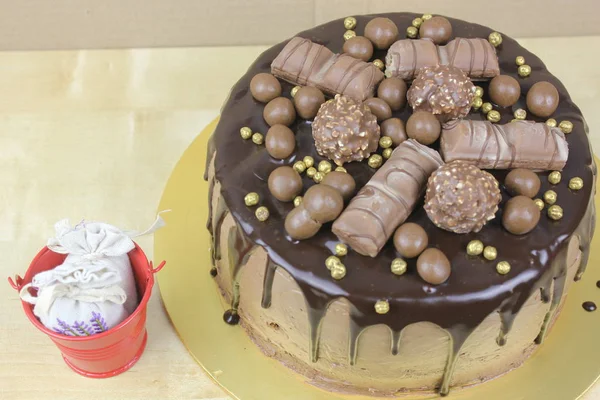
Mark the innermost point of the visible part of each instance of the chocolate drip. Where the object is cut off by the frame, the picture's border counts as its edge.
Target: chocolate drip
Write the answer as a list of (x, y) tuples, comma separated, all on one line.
[(458, 335), (396, 335), (209, 220), (315, 322), (220, 214), (270, 270), (589, 306), (214, 272), (354, 336), (240, 250)]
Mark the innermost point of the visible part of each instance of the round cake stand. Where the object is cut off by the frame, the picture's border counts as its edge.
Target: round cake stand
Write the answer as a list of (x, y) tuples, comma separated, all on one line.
[(564, 368)]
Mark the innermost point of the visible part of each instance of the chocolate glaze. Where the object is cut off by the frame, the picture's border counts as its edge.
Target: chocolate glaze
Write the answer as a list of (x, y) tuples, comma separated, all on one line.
[(474, 289), (589, 306), (214, 272), (598, 284)]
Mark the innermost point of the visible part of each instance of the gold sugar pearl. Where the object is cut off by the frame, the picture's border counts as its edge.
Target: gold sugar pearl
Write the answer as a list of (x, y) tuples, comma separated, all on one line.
[(262, 213), (382, 307), (551, 122), (520, 60), (349, 22), (387, 153), (308, 161), (477, 103), (349, 34), (425, 17), (554, 177), (331, 260), (310, 172), (550, 197), (246, 133), (379, 64), (474, 248), (524, 70), (341, 249), (294, 90), (385, 142), (478, 91), (520, 114), (324, 167), (503, 267), (490, 253), (258, 138), (539, 203), (299, 166), (493, 116), (297, 201), (566, 126), (341, 169), (251, 199), (417, 22), (412, 32), (338, 271), (576, 183), (318, 177), (375, 161), (495, 39), (486, 108), (555, 212), (398, 266)]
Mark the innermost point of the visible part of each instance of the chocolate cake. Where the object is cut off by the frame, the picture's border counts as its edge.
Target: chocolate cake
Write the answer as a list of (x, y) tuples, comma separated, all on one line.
[(399, 203)]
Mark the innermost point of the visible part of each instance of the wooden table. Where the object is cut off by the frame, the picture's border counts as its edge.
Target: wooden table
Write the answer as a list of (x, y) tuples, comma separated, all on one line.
[(96, 134)]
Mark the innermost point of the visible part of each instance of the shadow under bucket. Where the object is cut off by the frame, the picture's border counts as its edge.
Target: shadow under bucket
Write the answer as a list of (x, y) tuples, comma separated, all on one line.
[(109, 353)]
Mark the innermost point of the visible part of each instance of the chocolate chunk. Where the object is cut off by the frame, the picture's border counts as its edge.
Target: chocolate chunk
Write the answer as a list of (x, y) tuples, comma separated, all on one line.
[(285, 183), (438, 29), (307, 100), (520, 215), (433, 266), (504, 90), (542, 99), (305, 63), (379, 108), (393, 92), (280, 141), (424, 127), (299, 225), (265, 87), (323, 203), (345, 130), (461, 198), (387, 199), (519, 144), (410, 240), (359, 47), (280, 110), (342, 182), (382, 32), (522, 182), (394, 128), (475, 57), (442, 90)]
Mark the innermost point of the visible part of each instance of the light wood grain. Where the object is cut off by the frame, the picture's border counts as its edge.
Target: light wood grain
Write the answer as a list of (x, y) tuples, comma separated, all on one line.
[(62, 113)]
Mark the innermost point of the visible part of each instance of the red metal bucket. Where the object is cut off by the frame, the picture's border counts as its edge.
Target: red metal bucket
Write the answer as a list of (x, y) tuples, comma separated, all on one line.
[(109, 353)]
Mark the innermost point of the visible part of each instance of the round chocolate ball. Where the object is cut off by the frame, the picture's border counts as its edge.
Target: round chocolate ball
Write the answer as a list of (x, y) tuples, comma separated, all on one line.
[(433, 266), (394, 128), (504, 90), (379, 108), (280, 141), (522, 182), (520, 215), (424, 127), (393, 92), (285, 183), (410, 240), (280, 110), (542, 99), (343, 182), (382, 32), (359, 47), (265, 87), (299, 225), (307, 100), (323, 203), (438, 29)]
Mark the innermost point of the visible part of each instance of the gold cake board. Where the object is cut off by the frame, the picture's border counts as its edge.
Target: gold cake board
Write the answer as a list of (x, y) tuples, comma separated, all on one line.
[(564, 367)]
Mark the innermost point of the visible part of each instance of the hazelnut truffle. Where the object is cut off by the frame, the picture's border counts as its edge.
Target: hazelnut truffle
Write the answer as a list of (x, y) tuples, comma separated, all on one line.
[(542, 99), (424, 127), (438, 29), (307, 100), (359, 47), (379, 108), (520, 215), (382, 32), (285, 183), (299, 225), (522, 182), (345, 130), (323, 203), (504, 90), (280, 110), (342, 182), (280, 141), (461, 198), (265, 87), (410, 240), (442, 90), (394, 128), (393, 91), (433, 266)]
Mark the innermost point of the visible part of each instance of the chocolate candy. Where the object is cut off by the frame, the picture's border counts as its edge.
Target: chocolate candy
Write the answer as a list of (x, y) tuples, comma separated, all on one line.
[(522, 182), (519, 144), (323, 203), (520, 215), (382, 32), (280, 110), (265, 87), (285, 183), (542, 99), (504, 90), (379, 108), (359, 47), (394, 128), (410, 240), (342, 182), (393, 92), (307, 100), (299, 225), (424, 127), (438, 29), (280, 141), (433, 266)]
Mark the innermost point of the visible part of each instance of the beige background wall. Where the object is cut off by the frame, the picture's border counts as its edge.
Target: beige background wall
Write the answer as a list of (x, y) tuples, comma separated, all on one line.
[(69, 24)]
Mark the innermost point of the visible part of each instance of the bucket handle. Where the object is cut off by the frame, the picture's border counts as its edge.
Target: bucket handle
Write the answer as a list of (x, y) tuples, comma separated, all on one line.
[(18, 282), (157, 269)]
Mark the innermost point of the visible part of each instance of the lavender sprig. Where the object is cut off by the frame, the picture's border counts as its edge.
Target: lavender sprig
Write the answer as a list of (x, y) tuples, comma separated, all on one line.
[(83, 329), (65, 328), (98, 323)]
